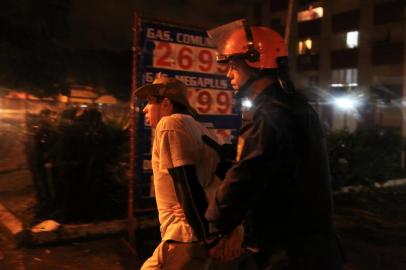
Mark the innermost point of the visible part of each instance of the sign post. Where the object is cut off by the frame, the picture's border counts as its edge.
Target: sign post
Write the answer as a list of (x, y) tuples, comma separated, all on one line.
[(133, 127)]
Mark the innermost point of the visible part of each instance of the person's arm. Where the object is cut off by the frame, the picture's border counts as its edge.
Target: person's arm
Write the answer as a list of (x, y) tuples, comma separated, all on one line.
[(191, 197), (243, 181), (226, 153), (177, 156)]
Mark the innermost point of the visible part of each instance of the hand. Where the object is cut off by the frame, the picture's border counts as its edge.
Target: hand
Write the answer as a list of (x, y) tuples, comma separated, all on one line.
[(226, 152), (229, 247), (177, 211)]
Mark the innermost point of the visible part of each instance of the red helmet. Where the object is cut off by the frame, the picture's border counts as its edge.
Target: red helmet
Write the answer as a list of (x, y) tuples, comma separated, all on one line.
[(260, 46)]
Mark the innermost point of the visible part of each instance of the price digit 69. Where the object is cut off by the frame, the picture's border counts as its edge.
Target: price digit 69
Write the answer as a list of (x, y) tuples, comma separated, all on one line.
[(183, 57)]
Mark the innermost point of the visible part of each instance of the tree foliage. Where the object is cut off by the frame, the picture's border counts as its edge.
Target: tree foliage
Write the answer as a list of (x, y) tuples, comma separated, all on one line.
[(31, 56), (78, 166), (365, 156), (34, 55)]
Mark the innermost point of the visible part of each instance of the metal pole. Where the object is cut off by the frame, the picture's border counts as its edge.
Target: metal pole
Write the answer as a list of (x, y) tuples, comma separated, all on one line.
[(403, 153), (288, 22), (133, 127)]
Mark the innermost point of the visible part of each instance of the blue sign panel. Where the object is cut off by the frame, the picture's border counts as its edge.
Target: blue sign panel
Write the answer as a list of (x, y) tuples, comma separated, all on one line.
[(188, 55)]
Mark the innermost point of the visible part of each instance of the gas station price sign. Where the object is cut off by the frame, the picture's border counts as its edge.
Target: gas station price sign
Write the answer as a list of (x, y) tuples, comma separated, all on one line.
[(189, 55)]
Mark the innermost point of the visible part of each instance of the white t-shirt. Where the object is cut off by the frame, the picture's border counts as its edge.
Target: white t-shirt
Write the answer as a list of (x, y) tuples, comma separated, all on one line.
[(177, 142)]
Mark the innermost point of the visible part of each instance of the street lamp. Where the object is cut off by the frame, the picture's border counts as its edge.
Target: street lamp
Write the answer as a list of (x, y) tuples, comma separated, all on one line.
[(347, 104), (246, 104)]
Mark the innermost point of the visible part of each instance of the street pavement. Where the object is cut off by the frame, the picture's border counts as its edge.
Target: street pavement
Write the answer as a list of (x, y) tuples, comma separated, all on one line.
[(105, 253), (109, 253)]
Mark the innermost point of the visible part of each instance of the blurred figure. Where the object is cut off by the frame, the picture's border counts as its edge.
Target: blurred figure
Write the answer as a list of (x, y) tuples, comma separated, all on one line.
[(44, 138)]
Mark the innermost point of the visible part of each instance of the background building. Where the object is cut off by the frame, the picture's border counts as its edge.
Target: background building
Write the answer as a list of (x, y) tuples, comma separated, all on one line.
[(347, 56)]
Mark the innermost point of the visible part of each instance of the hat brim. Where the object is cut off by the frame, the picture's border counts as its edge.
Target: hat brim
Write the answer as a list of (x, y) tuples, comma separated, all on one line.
[(154, 90), (147, 90)]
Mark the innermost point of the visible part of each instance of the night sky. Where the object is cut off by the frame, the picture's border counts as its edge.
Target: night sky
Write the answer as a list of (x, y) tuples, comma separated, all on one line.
[(107, 24), (47, 45)]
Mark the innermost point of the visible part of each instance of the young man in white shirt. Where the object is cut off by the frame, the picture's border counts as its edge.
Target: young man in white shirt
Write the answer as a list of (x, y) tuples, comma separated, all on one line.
[(184, 174)]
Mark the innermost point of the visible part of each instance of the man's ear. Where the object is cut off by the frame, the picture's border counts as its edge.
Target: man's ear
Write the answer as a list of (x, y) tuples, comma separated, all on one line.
[(166, 102), (167, 105)]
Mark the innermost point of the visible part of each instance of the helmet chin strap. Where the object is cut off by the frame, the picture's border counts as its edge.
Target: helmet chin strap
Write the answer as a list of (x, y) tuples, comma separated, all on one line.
[(242, 91), (244, 88)]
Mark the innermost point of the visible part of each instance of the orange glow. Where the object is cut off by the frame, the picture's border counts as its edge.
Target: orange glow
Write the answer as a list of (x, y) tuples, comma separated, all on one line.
[(310, 14), (20, 95)]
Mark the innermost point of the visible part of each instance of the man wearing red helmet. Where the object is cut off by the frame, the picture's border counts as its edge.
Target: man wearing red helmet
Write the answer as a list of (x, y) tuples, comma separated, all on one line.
[(280, 183)]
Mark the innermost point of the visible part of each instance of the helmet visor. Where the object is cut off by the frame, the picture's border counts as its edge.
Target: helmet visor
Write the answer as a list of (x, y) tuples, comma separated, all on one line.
[(221, 36)]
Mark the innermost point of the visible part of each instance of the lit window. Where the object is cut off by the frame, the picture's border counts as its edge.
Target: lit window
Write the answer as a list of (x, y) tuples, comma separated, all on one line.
[(308, 44), (352, 39), (310, 14), (344, 77), (305, 46), (300, 47)]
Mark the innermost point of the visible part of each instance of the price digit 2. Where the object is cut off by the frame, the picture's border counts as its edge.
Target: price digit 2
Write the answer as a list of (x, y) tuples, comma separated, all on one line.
[(164, 59)]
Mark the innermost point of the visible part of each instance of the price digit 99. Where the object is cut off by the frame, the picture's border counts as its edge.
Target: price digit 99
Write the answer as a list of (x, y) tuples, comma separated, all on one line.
[(211, 101)]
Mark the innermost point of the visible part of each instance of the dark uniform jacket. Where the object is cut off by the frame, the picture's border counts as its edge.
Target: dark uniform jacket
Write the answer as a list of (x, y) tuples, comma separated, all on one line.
[(280, 185)]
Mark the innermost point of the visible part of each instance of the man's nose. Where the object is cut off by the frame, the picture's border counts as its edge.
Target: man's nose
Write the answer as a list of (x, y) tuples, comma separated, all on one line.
[(145, 110), (229, 72)]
